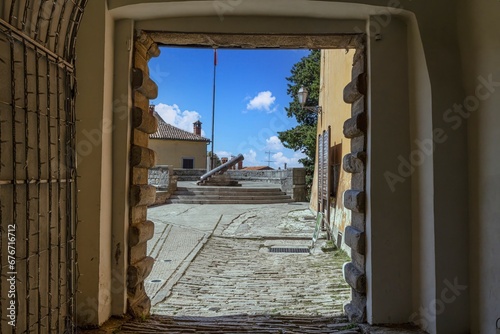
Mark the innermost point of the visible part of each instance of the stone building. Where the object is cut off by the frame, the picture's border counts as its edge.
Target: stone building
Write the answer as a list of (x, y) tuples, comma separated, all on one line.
[(426, 80), (178, 148)]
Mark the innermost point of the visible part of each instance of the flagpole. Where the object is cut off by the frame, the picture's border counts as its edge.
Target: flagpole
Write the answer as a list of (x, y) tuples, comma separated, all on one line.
[(212, 160)]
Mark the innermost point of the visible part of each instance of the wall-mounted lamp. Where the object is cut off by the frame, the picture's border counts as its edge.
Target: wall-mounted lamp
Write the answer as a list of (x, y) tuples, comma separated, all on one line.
[(302, 97)]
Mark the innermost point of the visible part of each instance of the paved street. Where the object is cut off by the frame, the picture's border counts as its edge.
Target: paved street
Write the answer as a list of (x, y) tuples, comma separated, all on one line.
[(214, 260), (214, 274)]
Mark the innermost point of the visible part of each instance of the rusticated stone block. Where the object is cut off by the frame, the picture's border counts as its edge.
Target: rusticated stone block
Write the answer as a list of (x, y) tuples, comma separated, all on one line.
[(355, 278), (358, 107), (355, 89), (138, 77), (138, 214), (136, 292), (162, 197), (142, 195), (355, 239), (141, 62), (358, 181), (358, 67), (142, 44), (358, 260), (354, 314), (358, 300), (143, 121), (137, 252), (141, 232), (355, 126), (358, 221), (356, 309), (146, 46), (142, 83), (358, 144), (354, 200), (139, 175), (142, 138), (142, 157), (354, 162), (139, 271), (140, 101), (139, 307)]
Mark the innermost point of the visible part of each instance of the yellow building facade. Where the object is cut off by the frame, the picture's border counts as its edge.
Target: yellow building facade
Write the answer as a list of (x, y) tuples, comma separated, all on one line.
[(336, 67), (176, 153), (179, 148)]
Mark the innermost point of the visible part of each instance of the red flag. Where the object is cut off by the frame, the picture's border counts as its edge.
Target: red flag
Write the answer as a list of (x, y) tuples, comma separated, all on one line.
[(215, 57)]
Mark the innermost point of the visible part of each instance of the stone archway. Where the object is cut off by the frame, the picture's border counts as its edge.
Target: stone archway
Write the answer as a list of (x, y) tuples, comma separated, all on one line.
[(146, 46), (387, 96)]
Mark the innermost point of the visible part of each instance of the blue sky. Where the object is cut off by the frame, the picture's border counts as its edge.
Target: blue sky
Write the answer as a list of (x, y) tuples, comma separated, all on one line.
[(250, 98)]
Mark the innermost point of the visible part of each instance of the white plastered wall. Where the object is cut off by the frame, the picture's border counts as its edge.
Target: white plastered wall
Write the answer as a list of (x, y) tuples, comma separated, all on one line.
[(94, 153), (480, 47)]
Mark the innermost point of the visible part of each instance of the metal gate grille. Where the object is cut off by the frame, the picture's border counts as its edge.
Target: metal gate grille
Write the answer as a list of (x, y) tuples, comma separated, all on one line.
[(37, 165)]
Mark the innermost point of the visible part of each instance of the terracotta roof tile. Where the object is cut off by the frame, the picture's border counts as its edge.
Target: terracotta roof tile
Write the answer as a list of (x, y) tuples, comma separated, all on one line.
[(258, 168), (167, 131)]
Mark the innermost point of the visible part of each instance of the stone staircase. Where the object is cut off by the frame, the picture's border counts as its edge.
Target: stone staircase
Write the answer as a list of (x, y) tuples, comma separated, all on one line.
[(229, 195)]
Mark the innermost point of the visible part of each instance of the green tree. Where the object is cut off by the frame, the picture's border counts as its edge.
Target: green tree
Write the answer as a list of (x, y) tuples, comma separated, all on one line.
[(217, 160), (302, 138)]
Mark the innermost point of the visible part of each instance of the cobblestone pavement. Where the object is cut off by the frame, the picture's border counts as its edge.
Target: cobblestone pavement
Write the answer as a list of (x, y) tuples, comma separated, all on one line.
[(214, 274), (229, 280), (243, 324), (239, 276)]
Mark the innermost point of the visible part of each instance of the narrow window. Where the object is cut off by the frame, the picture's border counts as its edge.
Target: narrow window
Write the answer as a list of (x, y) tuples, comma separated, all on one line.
[(187, 163), (336, 160)]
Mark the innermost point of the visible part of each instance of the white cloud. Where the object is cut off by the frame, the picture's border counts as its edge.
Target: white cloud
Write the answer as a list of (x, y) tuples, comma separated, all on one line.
[(223, 154), (263, 101), (173, 115), (250, 158), (280, 159), (274, 143)]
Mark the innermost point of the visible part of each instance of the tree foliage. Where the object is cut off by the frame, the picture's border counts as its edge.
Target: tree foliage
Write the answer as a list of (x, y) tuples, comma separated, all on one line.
[(302, 138), (217, 161)]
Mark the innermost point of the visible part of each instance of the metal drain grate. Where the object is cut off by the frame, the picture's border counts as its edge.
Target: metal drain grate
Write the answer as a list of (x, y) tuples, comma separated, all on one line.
[(298, 250)]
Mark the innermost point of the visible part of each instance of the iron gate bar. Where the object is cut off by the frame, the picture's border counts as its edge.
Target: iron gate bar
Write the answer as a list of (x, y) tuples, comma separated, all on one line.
[(55, 175), (50, 182), (14, 144), (21, 36), (32, 181), (27, 189), (59, 26)]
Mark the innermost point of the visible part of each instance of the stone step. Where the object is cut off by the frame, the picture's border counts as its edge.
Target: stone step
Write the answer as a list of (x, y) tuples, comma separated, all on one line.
[(229, 193), (229, 201), (229, 196), (227, 189)]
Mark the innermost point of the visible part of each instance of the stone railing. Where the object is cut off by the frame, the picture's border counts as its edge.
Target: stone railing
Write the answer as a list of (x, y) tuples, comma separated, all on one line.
[(163, 179), (292, 181), (159, 176)]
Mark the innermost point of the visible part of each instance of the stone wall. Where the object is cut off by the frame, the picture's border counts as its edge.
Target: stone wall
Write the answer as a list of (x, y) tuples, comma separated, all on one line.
[(141, 193), (189, 174), (163, 179), (292, 181), (354, 198), (159, 176)]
